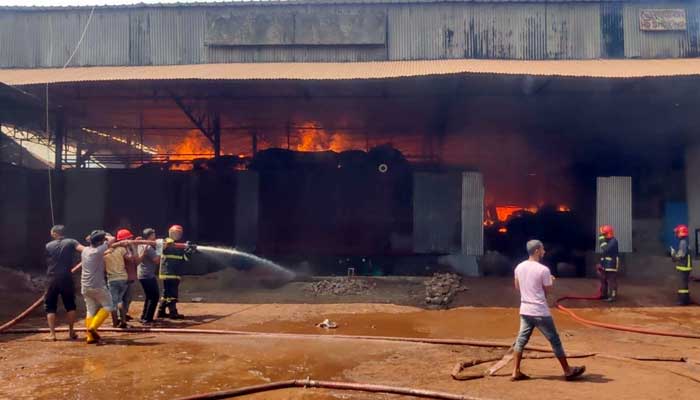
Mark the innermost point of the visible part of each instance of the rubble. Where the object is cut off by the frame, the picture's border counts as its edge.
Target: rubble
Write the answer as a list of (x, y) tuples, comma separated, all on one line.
[(15, 279), (338, 287), (441, 289)]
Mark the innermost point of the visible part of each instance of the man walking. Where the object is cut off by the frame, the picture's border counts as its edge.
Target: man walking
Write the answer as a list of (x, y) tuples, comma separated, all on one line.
[(60, 255), (533, 279)]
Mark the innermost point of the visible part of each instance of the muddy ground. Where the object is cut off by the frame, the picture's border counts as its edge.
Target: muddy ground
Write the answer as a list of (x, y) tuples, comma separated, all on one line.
[(159, 366)]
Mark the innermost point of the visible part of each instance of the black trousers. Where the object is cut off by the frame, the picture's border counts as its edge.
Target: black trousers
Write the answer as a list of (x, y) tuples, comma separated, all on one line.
[(171, 288), (608, 283), (683, 292), (152, 293)]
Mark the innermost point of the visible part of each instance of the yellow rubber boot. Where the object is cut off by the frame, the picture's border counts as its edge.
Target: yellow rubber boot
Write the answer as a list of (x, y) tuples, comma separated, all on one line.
[(97, 321), (88, 336)]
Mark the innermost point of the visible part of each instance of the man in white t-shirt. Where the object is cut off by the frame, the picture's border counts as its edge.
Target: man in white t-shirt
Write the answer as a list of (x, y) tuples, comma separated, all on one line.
[(533, 279)]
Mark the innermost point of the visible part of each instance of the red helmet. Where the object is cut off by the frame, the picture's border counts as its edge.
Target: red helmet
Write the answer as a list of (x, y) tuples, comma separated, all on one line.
[(681, 231), (124, 234), (607, 231), (177, 228)]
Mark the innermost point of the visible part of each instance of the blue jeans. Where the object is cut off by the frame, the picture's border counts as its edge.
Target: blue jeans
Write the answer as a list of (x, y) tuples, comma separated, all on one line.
[(117, 290), (546, 326)]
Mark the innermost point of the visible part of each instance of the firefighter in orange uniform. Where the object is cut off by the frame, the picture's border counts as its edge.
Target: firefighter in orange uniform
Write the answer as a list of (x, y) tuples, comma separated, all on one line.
[(609, 263), (684, 264), (173, 262)]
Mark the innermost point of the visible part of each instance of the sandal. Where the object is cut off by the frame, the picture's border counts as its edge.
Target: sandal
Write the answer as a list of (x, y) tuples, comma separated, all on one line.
[(521, 377), (575, 373)]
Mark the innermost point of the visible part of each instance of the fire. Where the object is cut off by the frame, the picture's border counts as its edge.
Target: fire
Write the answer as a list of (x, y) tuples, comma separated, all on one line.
[(193, 146), (503, 213), (314, 138), (563, 208)]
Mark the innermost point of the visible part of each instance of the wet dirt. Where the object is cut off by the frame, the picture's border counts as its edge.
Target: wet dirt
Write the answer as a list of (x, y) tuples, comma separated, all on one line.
[(158, 366)]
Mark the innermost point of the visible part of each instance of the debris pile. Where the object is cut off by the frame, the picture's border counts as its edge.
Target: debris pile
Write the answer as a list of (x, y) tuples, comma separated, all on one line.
[(441, 289), (339, 287), (14, 279)]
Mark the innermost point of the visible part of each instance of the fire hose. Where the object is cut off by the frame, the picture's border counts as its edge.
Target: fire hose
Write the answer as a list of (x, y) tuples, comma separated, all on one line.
[(614, 326), (308, 383), (357, 386)]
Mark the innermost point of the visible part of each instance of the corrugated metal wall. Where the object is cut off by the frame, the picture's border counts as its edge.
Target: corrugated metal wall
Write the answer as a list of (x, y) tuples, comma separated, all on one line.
[(614, 207), (472, 214), (172, 35), (570, 33), (640, 44), (508, 31)]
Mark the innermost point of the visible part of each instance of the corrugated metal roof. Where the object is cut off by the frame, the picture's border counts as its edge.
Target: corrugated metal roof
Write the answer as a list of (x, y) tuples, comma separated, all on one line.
[(288, 2), (359, 70)]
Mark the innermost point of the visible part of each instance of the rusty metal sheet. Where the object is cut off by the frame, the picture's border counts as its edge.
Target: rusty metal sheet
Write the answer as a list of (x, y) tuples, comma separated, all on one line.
[(614, 207), (662, 19), (472, 214)]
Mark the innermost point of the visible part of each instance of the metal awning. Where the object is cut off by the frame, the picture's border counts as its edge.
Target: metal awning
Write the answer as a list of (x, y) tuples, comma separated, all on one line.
[(616, 69)]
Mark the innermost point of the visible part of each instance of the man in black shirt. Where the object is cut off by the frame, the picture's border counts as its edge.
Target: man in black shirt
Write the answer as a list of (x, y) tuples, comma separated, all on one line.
[(60, 257)]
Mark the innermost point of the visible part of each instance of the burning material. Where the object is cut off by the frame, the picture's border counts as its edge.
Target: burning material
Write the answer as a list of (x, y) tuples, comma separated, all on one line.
[(503, 213), (339, 287), (314, 138), (193, 146), (441, 289)]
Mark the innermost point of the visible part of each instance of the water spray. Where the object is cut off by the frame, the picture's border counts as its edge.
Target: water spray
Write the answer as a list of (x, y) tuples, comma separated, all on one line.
[(213, 250)]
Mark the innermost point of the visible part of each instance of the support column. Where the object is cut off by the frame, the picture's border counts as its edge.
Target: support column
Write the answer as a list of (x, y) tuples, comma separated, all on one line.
[(216, 135), (60, 133)]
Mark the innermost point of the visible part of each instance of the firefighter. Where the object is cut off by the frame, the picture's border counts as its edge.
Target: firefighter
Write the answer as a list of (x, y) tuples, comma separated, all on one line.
[(172, 264), (683, 261), (609, 263)]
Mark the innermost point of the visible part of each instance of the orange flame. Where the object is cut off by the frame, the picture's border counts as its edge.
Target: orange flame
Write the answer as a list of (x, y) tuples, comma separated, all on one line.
[(193, 146), (505, 212), (314, 138)]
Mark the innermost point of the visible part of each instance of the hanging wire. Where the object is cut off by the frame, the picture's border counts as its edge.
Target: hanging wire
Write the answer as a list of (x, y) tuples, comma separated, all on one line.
[(59, 152)]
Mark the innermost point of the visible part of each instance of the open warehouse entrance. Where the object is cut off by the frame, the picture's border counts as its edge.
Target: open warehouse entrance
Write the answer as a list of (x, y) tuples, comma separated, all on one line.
[(387, 173)]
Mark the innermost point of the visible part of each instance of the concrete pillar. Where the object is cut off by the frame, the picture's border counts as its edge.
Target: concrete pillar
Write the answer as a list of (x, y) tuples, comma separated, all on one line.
[(692, 189), (437, 212), (247, 206)]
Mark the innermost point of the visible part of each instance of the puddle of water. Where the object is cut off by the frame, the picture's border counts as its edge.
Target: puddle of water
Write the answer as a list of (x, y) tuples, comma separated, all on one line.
[(456, 323)]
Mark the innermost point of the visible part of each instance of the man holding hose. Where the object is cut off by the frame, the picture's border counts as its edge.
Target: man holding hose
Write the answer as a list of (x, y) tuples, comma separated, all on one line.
[(60, 255), (98, 300), (533, 280)]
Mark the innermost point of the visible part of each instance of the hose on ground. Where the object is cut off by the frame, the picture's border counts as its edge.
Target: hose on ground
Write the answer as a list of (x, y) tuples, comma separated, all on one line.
[(615, 326), (308, 383), (453, 342)]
